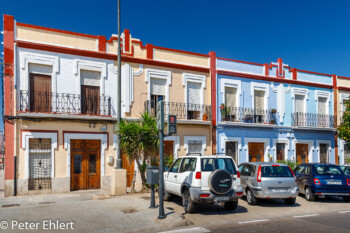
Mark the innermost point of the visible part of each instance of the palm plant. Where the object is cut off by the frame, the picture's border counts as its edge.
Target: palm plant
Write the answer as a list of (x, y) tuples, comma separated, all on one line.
[(139, 141)]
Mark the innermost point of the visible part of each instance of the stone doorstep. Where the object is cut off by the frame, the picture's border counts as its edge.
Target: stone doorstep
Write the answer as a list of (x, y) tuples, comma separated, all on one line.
[(101, 196)]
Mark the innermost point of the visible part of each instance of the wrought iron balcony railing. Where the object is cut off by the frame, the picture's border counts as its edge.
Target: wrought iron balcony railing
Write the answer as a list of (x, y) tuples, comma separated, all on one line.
[(248, 115), (44, 102), (181, 110), (312, 120)]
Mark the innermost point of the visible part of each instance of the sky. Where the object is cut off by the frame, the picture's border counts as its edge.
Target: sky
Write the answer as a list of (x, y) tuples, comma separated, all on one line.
[(308, 35)]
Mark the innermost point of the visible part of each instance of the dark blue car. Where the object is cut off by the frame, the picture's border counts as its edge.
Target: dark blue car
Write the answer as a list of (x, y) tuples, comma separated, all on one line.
[(316, 179)]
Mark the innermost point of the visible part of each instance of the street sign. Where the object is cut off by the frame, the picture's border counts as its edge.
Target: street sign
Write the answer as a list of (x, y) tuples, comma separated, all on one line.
[(160, 115), (172, 128)]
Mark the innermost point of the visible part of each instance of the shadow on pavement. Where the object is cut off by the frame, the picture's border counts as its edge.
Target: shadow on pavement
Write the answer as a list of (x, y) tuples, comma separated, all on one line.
[(273, 203)]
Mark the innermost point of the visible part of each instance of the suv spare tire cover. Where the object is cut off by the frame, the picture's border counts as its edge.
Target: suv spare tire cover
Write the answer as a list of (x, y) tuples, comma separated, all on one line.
[(220, 182)]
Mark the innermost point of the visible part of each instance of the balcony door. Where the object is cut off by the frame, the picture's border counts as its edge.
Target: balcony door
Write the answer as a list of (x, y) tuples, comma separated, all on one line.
[(90, 92), (157, 94), (300, 116), (40, 93), (259, 106), (322, 117), (193, 101)]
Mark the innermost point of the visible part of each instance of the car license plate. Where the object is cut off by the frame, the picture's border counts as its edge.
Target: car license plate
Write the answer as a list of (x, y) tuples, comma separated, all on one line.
[(279, 190), (221, 198), (334, 182)]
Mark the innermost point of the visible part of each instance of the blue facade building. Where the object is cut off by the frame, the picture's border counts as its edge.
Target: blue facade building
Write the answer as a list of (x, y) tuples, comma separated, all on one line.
[(270, 112)]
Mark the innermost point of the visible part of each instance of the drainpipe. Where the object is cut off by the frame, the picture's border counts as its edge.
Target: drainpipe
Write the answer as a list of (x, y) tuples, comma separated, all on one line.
[(15, 177)]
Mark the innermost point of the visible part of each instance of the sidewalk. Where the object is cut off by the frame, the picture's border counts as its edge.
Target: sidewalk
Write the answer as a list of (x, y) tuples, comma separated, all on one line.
[(129, 213)]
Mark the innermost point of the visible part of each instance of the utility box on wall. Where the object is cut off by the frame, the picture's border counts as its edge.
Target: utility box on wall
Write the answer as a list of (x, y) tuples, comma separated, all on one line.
[(152, 175)]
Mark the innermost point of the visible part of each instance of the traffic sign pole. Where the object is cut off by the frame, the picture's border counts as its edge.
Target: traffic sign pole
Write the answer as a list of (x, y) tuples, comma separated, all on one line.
[(160, 124)]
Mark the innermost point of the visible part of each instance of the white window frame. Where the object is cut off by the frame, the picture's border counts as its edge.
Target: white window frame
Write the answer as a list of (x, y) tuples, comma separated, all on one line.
[(160, 74), (25, 144), (342, 152), (233, 84), (318, 142), (260, 87), (323, 94), (193, 78), (203, 139), (311, 148), (300, 91), (286, 148), (343, 96), (266, 142)]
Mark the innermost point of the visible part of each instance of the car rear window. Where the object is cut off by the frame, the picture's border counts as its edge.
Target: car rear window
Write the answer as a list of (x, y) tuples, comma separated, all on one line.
[(345, 169), (327, 170), (276, 171), (211, 164)]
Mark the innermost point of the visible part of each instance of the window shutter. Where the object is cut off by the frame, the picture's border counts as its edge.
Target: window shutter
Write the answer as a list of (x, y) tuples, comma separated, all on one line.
[(322, 105), (230, 96), (90, 78), (40, 69), (193, 94), (259, 99), (299, 103), (158, 86)]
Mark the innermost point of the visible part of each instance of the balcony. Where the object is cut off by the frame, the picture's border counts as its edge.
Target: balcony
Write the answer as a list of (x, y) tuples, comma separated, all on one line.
[(312, 120), (183, 111), (62, 103), (248, 115)]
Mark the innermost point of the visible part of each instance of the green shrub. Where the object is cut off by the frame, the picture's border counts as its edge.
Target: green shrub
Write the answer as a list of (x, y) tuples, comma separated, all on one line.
[(290, 163)]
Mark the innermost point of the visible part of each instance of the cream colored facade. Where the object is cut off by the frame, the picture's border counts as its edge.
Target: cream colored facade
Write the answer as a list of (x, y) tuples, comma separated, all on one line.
[(62, 56)]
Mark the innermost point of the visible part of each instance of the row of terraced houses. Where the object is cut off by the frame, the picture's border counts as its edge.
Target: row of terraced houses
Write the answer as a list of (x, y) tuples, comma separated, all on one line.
[(60, 95)]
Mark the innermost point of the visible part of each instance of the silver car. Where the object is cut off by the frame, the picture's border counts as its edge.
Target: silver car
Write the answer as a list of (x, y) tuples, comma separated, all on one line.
[(269, 181)]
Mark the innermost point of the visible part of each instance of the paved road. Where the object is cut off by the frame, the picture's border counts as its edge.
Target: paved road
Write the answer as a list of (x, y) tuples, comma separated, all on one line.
[(303, 216), (335, 222)]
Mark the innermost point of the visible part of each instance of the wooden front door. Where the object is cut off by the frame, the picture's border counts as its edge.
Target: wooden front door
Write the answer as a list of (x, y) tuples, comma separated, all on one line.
[(130, 169), (85, 164), (302, 151), (256, 152)]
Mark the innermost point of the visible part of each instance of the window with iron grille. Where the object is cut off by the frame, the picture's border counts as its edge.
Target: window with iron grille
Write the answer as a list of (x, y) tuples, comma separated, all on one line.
[(39, 164), (194, 147)]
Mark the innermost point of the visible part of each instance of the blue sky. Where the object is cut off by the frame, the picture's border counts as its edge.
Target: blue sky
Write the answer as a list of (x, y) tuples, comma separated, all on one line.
[(308, 35)]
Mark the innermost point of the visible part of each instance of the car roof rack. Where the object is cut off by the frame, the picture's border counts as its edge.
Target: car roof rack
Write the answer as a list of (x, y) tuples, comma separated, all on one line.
[(193, 154)]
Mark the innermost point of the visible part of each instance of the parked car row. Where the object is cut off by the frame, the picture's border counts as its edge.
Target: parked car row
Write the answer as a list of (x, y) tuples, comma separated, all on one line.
[(216, 178)]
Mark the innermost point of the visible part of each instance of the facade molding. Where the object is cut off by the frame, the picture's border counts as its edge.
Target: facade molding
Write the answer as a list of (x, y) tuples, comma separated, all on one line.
[(329, 149), (203, 139), (176, 146), (310, 147), (274, 147), (225, 82), (324, 94), (160, 74), (225, 139), (260, 87), (194, 78), (266, 142)]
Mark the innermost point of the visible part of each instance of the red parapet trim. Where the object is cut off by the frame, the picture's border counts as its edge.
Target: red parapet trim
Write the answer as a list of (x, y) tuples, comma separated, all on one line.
[(280, 80), (102, 44), (266, 66), (39, 131), (9, 149), (246, 62), (181, 51), (85, 132), (138, 42), (113, 38), (342, 77), (149, 48), (343, 88), (334, 80), (311, 72), (127, 40), (294, 74), (56, 30), (86, 53)]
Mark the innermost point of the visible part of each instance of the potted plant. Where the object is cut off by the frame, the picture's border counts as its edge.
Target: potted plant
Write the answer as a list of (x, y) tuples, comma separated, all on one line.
[(205, 117), (272, 122), (222, 106), (273, 110)]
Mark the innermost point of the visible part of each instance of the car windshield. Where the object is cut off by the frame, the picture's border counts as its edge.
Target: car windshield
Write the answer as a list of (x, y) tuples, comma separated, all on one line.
[(276, 171), (345, 169), (211, 164), (327, 170)]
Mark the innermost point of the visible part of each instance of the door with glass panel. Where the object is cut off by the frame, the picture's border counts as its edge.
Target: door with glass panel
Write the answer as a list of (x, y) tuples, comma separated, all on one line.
[(157, 94), (302, 152), (231, 150), (259, 107), (280, 151), (90, 92), (85, 164), (324, 153), (230, 112), (322, 117), (300, 118), (346, 153), (194, 108)]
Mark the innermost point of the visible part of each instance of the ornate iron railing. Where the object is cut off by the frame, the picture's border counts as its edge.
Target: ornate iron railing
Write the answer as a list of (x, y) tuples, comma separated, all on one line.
[(312, 120), (181, 110), (248, 115), (42, 102)]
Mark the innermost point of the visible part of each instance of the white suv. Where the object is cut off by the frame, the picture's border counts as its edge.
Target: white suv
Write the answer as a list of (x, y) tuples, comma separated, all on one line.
[(203, 179)]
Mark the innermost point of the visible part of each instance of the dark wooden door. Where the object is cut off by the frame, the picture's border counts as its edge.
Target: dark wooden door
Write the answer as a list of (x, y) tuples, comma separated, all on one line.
[(85, 164), (256, 152), (231, 150), (90, 100), (130, 169), (40, 93), (323, 153), (302, 153)]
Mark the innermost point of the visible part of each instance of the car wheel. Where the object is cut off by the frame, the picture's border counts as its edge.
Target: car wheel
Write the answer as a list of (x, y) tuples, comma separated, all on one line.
[(231, 205), (250, 197), (187, 202), (167, 196), (309, 195), (346, 199), (290, 201)]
